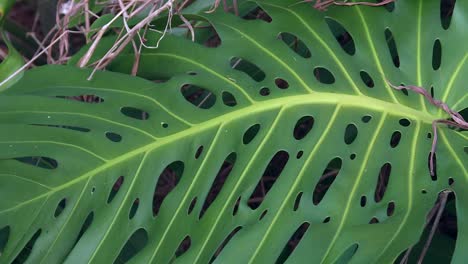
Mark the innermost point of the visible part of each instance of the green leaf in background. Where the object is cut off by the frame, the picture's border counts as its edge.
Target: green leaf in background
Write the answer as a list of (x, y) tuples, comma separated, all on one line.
[(272, 144), (14, 60)]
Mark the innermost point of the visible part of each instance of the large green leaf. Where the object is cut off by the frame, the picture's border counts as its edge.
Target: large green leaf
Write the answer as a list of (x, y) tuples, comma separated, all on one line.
[(246, 180)]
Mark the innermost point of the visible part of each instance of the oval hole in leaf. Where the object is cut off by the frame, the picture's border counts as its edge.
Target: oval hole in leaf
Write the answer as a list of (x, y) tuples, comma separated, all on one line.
[(303, 127), (326, 180), (115, 188), (348, 254), (366, 118), (4, 236), (84, 227), (299, 154), (297, 201), (451, 181), (134, 208), (264, 91), (248, 68), (436, 55), (41, 162), (250, 134), (363, 201), (134, 244), (198, 96), (292, 243), (229, 99), (344, 38), (395, 140), (263, 215), (183, 247), (27, 249), (268, 179), (351, 133), (224, 243), (390, 208), (218, 183), (281, 83), (295, 44), (135, 113), (326, 220), (236, 206), (84, 98), (374, 220), (167, 181), (367, 79), (382, 182), (114, 137), (391, 43), (74, 128), (192, 205), (446, 12), (60, 207), (404, 122), (199, 152), (258, 13), (324, 76)]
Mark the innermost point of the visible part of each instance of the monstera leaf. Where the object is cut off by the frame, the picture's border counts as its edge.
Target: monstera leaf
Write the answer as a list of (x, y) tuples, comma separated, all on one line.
[(279, 143)]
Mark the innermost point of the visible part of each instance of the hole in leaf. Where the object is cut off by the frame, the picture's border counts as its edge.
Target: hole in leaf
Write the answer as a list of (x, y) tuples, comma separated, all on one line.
[(297, 201), (366, 118), (41, 162), (326, 220), (198, 96), (114, 137), (85, 98), (281, 83), (4, 236), (352, 156), (258, 13), (389, 38), (404, 122), (451, 181), (423, 191), (374, 220), (405, 91), (295, 44), (299, 154), (219, 182), (348, 254), (351, 133), (250, 134), (367, 79), (236, 206), (60, 207), (268, 179), (390, 208), (263, 214), (382, 182), (134, 208), (324, 76), (224, 243), (436, 55), (395, 140), (199, 152), (84, 227), (433, 177), (192, 73), (303, 127), (134, 244), (429, 135), (248, 67), (264, 91), (229, 99), (432, 91), (326, 180), (363, 201), (164, 125), (115, 188), (27, 249), (446, 12), (292, 243), (134, 113), (343, 37), (183, 246), (192, 205), (167, 181), (74, 128)]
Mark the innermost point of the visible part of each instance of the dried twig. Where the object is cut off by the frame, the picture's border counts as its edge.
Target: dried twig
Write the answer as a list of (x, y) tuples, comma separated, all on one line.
[(458, 120)]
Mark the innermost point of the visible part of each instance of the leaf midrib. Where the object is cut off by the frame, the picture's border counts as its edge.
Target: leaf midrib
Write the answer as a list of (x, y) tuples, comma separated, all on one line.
[(358, 101)]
